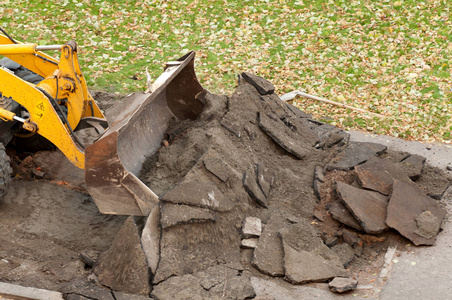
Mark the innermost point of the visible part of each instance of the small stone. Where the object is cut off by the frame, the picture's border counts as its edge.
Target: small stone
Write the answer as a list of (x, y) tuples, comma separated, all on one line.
[(263, 86), (329, 240), (320, 214), (428, 225), (27, 162), (38, 174), (342, 285), (251, 186), (249, 243), (89, 257), (351, 238), (449, 168), (252, 227), (358, 249)]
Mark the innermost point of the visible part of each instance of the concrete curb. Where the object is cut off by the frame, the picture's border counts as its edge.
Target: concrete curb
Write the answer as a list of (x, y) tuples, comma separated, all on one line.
[(13, 291)]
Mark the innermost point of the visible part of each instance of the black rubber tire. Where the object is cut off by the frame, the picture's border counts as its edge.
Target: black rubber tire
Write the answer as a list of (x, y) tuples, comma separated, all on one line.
[(5, 172), (32, 143)]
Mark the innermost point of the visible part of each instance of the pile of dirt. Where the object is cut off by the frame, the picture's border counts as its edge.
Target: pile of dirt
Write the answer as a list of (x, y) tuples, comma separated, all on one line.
[(253, 157), (253, 187)]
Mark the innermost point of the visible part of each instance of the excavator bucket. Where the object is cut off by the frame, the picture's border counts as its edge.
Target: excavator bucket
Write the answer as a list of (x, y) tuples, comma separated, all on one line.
[(136, 129)]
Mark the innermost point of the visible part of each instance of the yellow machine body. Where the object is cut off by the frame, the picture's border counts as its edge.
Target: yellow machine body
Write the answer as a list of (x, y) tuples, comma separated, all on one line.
[(63, 81)]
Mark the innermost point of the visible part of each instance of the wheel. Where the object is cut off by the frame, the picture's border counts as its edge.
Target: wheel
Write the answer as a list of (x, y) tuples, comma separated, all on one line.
[(31, 142), (5, 171)]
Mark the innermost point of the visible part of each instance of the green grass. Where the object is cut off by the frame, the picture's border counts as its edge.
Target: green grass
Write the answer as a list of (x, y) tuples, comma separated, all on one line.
[(389, 57)]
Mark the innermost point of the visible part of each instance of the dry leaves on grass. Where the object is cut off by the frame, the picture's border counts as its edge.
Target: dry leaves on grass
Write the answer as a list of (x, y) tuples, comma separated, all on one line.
[(387, 57)]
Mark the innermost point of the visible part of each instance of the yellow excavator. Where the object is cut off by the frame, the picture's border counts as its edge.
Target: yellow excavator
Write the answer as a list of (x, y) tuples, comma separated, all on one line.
[(52, 101)]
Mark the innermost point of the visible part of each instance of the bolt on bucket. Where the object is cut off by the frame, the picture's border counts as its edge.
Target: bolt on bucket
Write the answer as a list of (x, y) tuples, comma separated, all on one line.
[(136, 129)]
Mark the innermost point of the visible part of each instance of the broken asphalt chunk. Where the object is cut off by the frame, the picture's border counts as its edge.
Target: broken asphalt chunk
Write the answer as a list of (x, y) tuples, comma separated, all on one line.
[(176, 214), (217, 282), (204, 195), (85, 290), (251, 186), (123, 267), (264, 179), (433, 182), (413, 214), (319, 174), (268, 255), (302, 266), (341, 213), (351, 238), (345, 253), (217, 167), (263, 86), (342, 285), (150, 239), (231, 127), (379, 174), (368, 207), (413, 165), (89, 257), (126, 296), (306, 257), (356, 153), (282, 135), (298, 112)]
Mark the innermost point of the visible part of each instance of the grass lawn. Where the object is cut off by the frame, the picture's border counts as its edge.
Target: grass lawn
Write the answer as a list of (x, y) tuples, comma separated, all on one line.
[(388, 57)]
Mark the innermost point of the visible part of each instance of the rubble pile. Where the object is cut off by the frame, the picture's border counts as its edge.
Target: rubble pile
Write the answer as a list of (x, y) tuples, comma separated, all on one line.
[(239, 188), (374, 193)]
